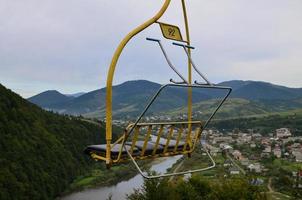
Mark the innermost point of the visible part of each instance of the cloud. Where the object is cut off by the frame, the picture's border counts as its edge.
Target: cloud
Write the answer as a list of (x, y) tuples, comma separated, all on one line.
[(284, 70), (67, 45)]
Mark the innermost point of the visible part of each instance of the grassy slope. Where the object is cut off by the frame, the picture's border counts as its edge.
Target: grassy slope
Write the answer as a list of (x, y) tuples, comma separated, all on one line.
[(236, 107), (232, 108)]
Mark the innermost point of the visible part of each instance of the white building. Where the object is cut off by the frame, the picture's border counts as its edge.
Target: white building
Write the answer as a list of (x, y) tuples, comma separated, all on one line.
[(298, 156), (234, 171), (256, 167), (227, 163), (244, 161), (283, 132), (268, 149), (277, 152), (237, 154)]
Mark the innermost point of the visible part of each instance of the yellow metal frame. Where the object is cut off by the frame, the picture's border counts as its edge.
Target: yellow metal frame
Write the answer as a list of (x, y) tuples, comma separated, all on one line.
[(113, 64), (165, 153)]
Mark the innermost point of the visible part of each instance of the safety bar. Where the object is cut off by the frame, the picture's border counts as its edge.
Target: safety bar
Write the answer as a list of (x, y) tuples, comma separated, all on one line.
[(168, 61), (217, 87), (191, 61)]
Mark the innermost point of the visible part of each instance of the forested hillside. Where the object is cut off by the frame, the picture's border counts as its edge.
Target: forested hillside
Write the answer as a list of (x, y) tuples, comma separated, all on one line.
[(237, 108), (264, 123), (41, 152), (199, 187)]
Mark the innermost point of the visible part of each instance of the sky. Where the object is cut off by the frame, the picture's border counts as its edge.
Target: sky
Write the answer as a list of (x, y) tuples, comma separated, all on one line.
[(67, 45)]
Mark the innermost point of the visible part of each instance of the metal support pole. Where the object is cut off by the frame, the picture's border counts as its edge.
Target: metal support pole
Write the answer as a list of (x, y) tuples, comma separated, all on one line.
[(184, 10)]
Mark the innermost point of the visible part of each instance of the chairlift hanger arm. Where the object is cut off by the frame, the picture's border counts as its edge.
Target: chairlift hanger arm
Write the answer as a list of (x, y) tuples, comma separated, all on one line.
[(191, 61), (168, 61)]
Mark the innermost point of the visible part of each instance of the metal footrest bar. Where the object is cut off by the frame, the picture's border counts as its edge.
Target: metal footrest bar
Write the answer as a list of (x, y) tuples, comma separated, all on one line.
[(145, 175)]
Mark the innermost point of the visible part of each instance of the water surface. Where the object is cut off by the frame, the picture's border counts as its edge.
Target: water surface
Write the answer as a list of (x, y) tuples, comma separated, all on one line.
[(120, 190)]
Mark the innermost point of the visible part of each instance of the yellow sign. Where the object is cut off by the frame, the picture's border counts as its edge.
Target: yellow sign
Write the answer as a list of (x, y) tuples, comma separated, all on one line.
[(170, 31)]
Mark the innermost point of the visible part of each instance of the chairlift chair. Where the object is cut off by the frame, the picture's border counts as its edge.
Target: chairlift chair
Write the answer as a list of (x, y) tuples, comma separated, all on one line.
[(142, 141)]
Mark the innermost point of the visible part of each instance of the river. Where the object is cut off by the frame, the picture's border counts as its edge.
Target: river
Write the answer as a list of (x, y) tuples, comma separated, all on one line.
[(120, 190)]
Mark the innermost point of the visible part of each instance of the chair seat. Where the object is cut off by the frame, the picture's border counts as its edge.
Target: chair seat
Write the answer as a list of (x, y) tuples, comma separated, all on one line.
[(101, 149), (172, 144), (161, 146), (149, 147)]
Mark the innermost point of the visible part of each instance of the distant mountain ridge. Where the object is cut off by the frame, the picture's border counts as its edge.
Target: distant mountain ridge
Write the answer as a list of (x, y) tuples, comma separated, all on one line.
[(253, 90), (129, 98), (49, 99)]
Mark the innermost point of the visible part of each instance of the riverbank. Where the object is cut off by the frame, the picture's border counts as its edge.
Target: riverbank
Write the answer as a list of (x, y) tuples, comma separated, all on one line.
[(119, 189), (99, 176)]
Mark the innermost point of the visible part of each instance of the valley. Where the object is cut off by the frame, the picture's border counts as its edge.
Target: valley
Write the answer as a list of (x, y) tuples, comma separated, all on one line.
[(59, 132)]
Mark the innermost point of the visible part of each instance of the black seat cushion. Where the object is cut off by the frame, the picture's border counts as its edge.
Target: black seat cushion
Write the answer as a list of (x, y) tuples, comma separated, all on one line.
[(101, 149), (149, 148), (172, 144)]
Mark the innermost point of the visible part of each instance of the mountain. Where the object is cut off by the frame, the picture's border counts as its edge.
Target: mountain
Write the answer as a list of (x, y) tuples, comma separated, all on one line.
[(75, 94), (49, 99), (235, 84), (41, 152), (256, 90), (125, 94), (130, 98)]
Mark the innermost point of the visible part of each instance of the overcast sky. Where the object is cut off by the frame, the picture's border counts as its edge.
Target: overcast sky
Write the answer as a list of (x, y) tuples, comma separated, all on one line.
[(67, 44)]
